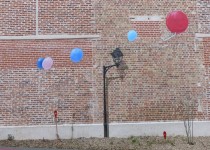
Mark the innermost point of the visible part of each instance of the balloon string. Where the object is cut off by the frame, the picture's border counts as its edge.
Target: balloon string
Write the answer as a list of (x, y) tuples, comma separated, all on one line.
[(169, 37)]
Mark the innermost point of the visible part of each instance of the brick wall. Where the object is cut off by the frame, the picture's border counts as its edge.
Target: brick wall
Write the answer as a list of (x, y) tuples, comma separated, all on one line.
[(30, 95), (206, 46), (162, 76), (160, 79), (18, 17), (66, 17), (203, 9)]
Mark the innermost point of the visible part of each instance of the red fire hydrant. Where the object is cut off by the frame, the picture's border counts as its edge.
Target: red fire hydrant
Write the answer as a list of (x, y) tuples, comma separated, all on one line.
[(164, 134)]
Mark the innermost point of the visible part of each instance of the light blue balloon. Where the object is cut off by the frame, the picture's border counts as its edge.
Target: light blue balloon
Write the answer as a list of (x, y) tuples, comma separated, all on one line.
[(132, 35), (76, 55)]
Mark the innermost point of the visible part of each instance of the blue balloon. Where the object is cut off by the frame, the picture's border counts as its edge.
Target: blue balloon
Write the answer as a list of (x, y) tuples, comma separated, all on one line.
[(76, 55), (39, 63), (132, 35)]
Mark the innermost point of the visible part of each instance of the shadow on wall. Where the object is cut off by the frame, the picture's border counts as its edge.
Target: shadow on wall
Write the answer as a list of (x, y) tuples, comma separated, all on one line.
[(122, 74), (122, 70)]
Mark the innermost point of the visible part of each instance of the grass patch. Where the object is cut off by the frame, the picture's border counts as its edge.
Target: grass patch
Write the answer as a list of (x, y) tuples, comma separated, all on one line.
[(151, 142), (134, 140), (171, 142)]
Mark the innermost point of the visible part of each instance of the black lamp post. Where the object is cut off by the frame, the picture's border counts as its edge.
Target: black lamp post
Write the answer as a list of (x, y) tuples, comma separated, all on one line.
[(117, 56)]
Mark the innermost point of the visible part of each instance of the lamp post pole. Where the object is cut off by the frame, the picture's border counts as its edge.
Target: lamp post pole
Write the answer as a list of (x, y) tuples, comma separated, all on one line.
[(117, 58), (106, 123)]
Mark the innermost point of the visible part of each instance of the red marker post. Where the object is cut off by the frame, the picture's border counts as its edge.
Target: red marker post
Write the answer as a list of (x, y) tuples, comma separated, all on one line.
[(56, 122), (56, 113), (164, 135)]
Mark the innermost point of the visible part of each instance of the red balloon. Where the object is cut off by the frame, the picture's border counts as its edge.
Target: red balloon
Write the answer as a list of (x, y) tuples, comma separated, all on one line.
[(177, 22)]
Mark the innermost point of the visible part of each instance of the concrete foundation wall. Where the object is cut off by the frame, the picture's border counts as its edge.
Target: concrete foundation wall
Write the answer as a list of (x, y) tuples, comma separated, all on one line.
[(121, 130)]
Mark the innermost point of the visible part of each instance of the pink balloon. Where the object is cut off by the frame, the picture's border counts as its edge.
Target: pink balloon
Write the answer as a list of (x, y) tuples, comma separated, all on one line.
[(47, 63)]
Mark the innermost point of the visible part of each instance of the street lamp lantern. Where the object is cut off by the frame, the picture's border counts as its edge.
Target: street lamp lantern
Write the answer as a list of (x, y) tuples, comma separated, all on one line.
[(117, 56)]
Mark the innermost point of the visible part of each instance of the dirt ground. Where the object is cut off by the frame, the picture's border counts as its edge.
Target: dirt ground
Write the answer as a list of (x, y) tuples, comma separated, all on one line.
[(131, 143)]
